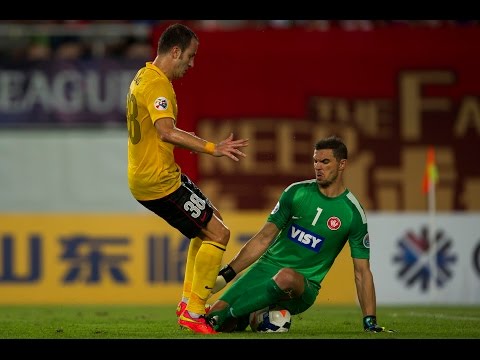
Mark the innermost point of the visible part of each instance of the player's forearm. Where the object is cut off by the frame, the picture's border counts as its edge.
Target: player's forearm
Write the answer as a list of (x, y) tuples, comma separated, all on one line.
[(251, 251), (366, 294), (187, 140), (245, 257)]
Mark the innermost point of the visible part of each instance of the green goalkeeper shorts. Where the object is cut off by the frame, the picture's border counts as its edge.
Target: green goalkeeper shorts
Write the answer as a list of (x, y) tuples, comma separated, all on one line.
[(262, 272)]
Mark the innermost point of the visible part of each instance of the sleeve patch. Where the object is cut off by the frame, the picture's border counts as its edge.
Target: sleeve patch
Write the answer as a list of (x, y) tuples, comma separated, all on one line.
[(161, 103), (366, 241)]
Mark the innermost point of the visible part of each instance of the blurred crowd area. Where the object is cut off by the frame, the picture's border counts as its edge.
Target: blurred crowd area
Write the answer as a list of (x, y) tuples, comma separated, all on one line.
[(33, 40)]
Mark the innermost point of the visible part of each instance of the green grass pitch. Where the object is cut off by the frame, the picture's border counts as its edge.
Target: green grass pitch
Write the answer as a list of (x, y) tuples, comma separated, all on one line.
[(159, 322)]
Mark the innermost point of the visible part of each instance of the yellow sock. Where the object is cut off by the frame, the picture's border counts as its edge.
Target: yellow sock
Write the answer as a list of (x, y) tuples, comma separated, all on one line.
[(207, 265), (193, 248)]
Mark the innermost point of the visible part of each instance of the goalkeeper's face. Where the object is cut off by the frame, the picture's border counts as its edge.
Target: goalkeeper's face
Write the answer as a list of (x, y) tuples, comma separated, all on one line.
[(327, 167)]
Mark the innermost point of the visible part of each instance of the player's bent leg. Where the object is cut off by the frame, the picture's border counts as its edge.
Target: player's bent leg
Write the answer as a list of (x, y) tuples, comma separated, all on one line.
[(207, 265)]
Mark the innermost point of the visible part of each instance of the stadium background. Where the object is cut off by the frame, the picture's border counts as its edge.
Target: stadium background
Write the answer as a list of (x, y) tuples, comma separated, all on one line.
[(70, 232)]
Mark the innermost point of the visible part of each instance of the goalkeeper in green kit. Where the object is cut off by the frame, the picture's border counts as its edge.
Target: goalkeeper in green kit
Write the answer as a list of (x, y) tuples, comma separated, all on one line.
[(294, 250)]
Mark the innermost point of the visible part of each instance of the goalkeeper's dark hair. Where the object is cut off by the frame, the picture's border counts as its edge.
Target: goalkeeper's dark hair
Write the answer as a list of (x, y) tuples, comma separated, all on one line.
[(175, 35), (336, 144)]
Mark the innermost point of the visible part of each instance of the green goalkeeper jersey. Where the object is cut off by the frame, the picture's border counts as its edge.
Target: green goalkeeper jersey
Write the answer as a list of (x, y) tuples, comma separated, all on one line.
[(314, 229)]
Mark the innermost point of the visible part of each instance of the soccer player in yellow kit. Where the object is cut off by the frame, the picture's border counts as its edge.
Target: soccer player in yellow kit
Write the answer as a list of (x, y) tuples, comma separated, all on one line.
[(156, 180)]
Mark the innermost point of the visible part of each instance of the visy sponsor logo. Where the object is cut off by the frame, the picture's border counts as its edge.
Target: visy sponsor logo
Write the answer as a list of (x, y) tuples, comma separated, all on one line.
[(305, 238)]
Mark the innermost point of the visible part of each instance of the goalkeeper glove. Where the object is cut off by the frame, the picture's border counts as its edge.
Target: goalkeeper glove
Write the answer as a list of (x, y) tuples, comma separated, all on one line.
[(370, 325), (225, 275)]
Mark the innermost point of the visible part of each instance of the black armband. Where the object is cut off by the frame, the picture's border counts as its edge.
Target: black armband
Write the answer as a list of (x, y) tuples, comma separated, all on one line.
[(228, 273)]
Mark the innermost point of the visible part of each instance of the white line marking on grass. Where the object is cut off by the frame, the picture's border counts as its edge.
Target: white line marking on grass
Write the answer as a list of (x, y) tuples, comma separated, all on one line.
[(444, 316)]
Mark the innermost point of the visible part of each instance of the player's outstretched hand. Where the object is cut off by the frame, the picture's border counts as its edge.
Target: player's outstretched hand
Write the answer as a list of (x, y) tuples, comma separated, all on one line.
[(230, 148), (370, 325)]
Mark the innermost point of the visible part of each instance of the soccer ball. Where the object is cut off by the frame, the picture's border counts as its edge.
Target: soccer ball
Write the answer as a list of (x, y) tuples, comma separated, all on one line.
[(270, 320)]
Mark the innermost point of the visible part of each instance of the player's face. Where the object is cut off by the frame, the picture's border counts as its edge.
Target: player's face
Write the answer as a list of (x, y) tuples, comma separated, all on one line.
[(326, 167), (186, 59)]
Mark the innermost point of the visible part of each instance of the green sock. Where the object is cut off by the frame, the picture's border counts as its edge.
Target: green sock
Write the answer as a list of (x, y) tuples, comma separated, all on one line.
[(257, 297)]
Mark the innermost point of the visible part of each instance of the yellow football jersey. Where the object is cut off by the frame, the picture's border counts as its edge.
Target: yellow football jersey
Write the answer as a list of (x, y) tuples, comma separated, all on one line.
[(152, 170)]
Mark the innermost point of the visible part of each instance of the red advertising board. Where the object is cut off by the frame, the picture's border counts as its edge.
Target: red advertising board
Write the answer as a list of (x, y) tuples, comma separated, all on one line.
[(390, 93)]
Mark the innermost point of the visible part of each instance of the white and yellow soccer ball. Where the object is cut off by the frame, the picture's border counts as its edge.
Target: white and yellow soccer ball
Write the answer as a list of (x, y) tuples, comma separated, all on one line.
[(270, 320)]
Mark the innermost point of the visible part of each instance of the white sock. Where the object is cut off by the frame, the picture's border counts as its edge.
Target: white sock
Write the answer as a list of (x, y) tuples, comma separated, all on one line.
[(194, 315)]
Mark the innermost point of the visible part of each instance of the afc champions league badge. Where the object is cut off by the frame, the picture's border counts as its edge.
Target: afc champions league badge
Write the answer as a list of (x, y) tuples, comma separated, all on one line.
[(366, 241), (161, 103)]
